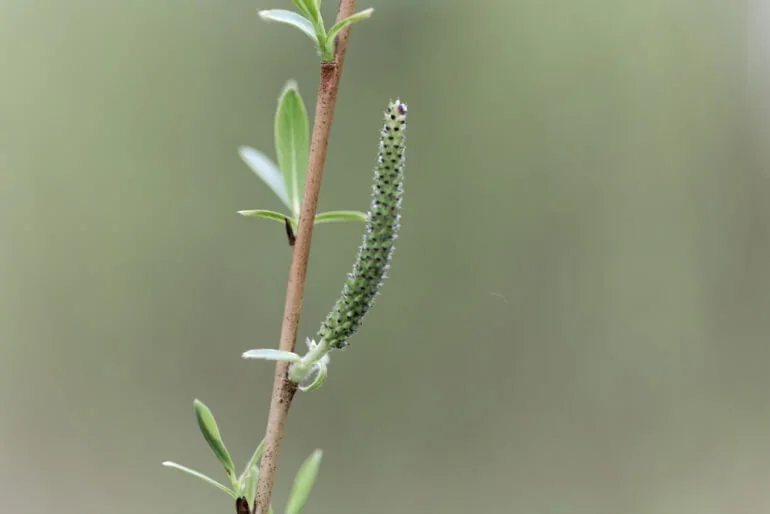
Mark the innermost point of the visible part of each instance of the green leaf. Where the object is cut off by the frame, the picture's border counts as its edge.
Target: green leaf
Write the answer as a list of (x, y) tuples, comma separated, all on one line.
[(311, 9), (290, 18), (300, 4), (250, 484), (203, 477), (315, 378), (253, 461), (337, 27), (292, 142), (270, 354), (337, 216), (267, 170), (247, 482), (303, 483), (210, 431), (270, 215)]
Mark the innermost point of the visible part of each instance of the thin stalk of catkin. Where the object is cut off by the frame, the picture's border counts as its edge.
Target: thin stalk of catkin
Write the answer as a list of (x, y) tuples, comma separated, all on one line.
[(374, 255), (284, 389)]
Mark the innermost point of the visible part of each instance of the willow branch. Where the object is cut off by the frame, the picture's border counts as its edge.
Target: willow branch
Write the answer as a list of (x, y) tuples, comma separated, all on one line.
[(283, 389)]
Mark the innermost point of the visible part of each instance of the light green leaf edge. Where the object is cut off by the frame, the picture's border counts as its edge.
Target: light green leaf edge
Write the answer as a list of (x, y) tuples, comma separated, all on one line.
[(210, 430), (290, 18), (339, 216), (250, 485), (300, 4), (267, 170), (270, 215), (253, 461), (316, 380), (337, 27), (174, 465), (311, 8), (324, 217), (303, 483), (271, 354), (247, 482), (292, 142)]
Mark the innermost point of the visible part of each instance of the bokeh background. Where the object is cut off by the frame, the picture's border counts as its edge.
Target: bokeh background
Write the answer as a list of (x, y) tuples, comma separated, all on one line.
[(577, 317)]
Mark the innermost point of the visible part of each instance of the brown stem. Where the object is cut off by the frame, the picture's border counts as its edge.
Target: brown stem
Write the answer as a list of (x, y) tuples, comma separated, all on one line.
[(283, 389)]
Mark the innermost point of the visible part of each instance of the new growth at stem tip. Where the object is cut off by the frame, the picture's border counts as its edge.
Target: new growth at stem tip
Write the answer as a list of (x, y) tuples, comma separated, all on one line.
[(310, 22)]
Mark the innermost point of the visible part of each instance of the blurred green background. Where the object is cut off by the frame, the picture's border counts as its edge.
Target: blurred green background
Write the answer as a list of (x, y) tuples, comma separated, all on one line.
[(576, 320)]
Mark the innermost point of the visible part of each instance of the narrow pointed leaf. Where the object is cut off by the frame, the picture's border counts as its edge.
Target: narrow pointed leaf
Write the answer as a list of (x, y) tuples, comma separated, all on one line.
[(303, 483), (337, 27), (270, 215), (197, 474), (292, 142), (271, 355), (250, 483), (210, 430), (247, 482), (290, 18), (338, 216), (267, 170), (310, 8), (254, 460), (300, 4)]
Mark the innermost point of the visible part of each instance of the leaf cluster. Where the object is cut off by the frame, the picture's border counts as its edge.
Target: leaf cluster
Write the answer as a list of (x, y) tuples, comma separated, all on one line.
[(287, 178), (311, 23), (243, 487)]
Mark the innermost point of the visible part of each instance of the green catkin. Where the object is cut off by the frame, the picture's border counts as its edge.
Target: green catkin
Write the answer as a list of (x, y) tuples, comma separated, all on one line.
[(382, 225)]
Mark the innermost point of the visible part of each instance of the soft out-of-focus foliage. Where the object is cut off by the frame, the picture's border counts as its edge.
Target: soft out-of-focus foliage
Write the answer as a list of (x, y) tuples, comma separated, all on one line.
[(593, 339)]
